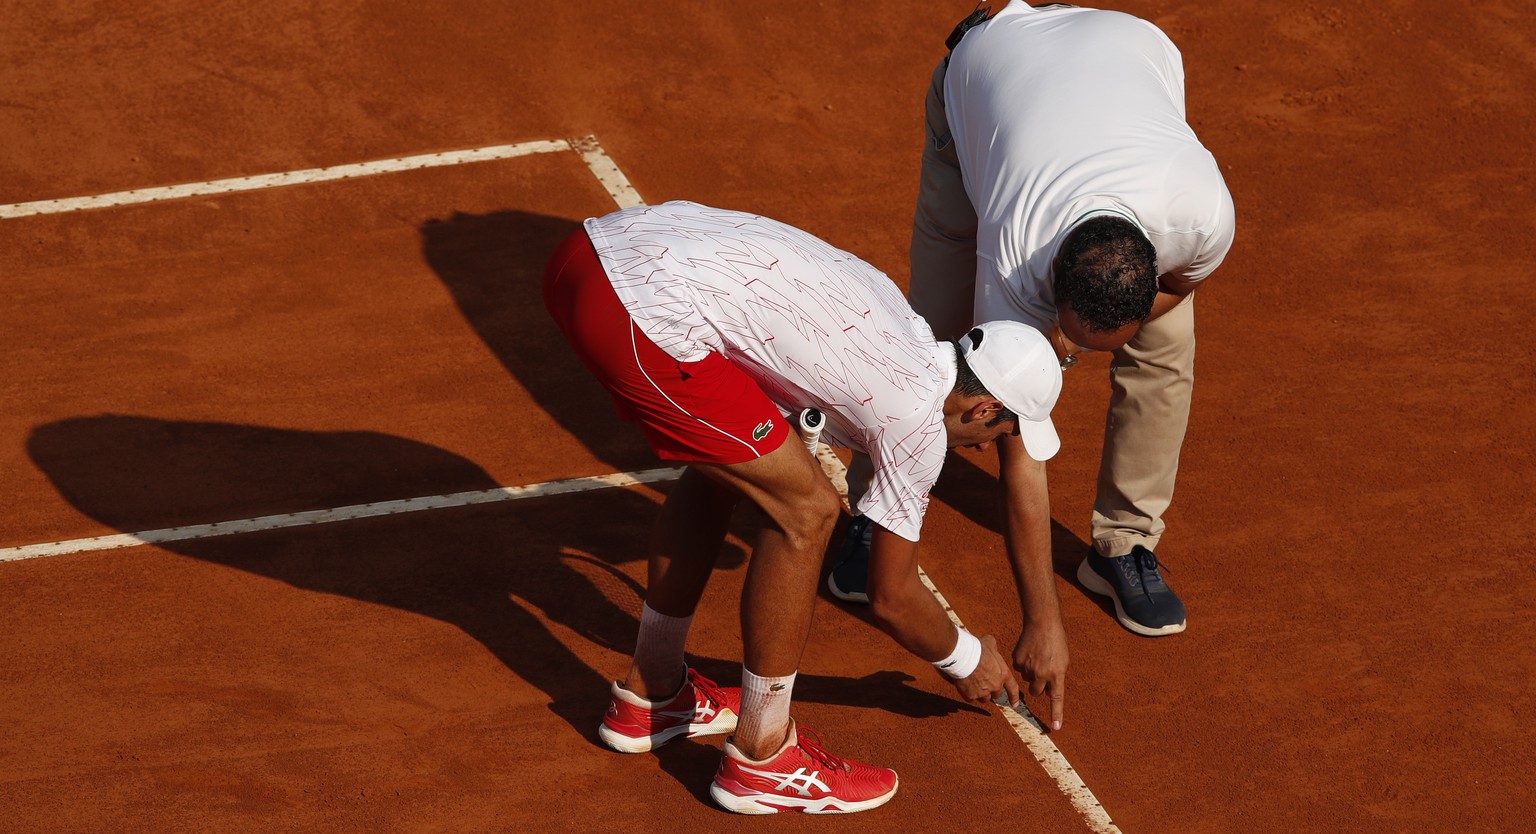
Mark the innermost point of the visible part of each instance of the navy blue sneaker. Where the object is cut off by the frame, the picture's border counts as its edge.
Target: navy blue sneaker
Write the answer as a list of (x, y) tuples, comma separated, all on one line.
[(1143, 601), (849, 579)]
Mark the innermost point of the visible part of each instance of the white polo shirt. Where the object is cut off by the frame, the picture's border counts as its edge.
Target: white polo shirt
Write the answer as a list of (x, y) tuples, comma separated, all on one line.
[(1058, 114), (811, 324)]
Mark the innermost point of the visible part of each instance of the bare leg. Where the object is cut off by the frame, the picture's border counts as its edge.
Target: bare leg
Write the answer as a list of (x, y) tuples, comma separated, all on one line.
[(685, 543), (801, 508)]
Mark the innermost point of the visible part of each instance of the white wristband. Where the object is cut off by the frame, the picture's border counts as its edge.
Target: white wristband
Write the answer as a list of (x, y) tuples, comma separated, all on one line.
[(964, 659)]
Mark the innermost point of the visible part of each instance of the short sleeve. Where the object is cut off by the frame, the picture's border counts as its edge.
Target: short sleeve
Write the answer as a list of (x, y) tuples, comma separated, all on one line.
[(907, 456)]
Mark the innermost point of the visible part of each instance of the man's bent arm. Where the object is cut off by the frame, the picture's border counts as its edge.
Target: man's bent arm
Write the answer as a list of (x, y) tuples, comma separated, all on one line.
[(904, 608), (1165, 301), (1041, 653)]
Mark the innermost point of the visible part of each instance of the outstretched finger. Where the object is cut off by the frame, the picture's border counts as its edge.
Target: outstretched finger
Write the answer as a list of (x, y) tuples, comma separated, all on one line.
[(1011, 689), (1058, 701)]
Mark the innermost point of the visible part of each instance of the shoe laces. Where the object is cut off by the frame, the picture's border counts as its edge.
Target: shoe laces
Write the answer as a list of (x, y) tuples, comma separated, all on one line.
[(1147, 561), (709, 688), (1148, 564), (1130, 568), (810, 742)]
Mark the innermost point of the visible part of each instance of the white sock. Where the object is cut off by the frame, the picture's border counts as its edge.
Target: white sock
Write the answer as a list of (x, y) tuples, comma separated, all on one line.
[(659, 648), (764, 709)]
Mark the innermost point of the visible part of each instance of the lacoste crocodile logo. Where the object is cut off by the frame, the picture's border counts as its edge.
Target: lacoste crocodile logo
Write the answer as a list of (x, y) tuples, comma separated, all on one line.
[(762, 429)]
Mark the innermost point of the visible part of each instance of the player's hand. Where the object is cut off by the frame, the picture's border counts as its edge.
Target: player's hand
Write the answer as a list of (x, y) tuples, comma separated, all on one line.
[(992, 679), (1041, 658)]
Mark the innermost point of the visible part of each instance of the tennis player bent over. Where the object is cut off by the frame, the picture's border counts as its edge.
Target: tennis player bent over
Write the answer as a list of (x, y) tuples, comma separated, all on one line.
[(709, 327)]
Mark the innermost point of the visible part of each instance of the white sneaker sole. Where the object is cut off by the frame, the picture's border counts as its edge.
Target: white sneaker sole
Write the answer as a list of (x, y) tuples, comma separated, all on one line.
[(770, 803), (845, 596), (1097, 584), (724, 722)]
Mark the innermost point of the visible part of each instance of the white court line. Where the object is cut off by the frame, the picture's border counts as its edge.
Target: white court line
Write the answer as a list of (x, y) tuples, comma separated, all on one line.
[(1028, 728), (1032, 733), (591, 153), (311, 517), (607, 172)]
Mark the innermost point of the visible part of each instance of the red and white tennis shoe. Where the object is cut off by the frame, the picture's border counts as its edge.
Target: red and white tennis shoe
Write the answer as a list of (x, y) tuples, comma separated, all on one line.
[(801, 777), (701, 708)]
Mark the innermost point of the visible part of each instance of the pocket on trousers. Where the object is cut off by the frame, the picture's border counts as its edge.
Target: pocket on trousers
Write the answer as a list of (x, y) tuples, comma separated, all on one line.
[(940, 140)]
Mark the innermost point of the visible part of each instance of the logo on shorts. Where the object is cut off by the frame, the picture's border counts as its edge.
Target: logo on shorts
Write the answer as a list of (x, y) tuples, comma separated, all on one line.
[(762, 429)]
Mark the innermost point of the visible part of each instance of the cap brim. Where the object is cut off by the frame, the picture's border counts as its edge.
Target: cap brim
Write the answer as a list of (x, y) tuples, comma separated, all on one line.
[(1040, 439)]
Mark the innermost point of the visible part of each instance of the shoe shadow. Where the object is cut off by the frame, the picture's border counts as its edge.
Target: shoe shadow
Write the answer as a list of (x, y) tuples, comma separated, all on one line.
[(499, 572)]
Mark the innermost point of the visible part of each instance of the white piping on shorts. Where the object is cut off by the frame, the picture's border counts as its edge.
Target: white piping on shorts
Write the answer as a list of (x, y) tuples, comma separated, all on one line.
[(636, 351)]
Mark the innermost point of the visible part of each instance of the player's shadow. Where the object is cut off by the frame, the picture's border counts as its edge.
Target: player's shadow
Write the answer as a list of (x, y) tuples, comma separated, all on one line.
[(498, 571), (501, 572), (975, 493), (492, 265)]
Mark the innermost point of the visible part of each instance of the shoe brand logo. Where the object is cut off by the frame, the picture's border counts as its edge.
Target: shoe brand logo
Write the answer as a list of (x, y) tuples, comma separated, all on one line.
[(762, 429), (705, 712), (800, 782)]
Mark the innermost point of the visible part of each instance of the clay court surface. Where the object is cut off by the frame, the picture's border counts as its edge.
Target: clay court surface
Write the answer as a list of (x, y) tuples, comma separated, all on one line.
[(1349, 533)]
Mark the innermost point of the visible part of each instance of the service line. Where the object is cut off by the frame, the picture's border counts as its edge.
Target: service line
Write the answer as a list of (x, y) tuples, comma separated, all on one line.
[(347, 513)]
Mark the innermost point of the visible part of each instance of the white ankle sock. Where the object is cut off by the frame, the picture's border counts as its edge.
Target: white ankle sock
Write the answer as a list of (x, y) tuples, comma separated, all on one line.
[(659, 647), (764, 709)]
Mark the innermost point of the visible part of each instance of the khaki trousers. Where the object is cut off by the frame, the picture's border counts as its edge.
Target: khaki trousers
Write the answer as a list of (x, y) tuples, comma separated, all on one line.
[(1151, 378)]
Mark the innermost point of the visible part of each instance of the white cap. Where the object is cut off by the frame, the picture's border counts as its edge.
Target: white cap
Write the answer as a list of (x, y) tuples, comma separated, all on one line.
[(1019, 367)]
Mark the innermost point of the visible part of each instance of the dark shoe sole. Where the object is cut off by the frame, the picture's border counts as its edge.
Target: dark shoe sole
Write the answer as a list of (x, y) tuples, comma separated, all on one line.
[(1097, 584)]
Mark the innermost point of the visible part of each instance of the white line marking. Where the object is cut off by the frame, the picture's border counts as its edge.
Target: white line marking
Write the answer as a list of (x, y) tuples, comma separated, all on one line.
[(607, 172), (1032, 733), (308, 175), (279, 522)]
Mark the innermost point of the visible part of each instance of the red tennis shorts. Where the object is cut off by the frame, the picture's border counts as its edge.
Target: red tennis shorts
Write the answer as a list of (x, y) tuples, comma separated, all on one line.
[(708, 411)]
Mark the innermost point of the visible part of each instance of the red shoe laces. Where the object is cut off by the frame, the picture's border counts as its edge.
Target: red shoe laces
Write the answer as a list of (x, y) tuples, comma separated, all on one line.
[(812, 747), (710, 689)]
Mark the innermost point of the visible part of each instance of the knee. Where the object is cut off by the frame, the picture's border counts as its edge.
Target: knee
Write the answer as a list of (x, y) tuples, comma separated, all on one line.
[(823, 511), (813, 518)]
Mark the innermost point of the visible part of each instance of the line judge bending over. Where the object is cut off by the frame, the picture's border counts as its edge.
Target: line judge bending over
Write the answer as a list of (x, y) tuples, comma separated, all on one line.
[(1063, 188)]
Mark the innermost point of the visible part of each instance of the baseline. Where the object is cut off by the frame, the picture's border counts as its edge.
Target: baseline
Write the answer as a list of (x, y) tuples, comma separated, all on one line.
[(591, 152)]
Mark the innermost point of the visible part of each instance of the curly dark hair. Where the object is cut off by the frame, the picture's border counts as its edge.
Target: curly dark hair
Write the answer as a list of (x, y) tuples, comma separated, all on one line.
[(969, 385), (1107, 272)]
